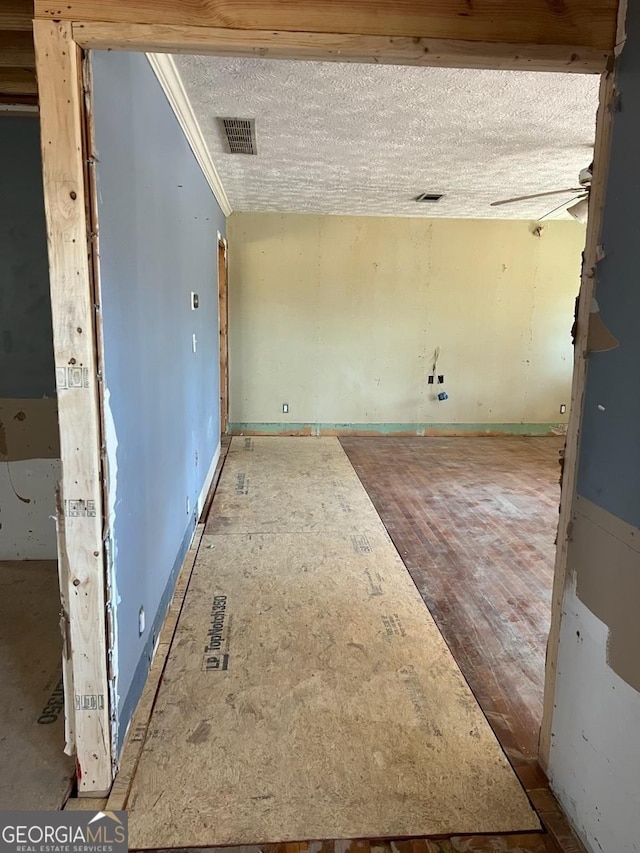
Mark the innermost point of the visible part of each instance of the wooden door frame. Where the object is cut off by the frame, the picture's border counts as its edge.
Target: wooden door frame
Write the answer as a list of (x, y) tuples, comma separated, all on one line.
[(407, 32), (223, 327)]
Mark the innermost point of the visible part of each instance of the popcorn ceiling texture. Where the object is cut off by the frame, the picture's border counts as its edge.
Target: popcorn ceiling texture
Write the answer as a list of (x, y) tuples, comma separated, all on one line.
[(341, 138)]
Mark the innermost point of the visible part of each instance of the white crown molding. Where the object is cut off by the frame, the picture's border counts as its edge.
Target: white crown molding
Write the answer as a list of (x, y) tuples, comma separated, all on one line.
[(169, 78)]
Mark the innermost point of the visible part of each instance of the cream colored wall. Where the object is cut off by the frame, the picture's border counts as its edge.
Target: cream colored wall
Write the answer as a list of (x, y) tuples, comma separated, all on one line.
[(340, 316)]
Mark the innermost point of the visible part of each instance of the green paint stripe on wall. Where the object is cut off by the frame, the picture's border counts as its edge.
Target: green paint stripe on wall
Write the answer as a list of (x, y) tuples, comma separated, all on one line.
[(396, 429)]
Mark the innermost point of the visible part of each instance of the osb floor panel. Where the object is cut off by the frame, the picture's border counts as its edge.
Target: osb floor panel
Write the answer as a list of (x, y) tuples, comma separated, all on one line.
[(308, 692), (35, 773), (475, 520)]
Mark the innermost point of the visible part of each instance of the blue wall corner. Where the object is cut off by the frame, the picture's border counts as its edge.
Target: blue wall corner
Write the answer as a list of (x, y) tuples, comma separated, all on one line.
[(158, 224)]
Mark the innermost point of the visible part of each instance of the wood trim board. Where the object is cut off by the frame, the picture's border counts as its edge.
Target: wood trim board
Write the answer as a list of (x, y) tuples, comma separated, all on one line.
[(223, 320)]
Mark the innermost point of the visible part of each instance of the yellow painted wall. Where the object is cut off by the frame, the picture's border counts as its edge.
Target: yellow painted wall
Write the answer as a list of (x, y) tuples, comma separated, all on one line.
[(340, 316)]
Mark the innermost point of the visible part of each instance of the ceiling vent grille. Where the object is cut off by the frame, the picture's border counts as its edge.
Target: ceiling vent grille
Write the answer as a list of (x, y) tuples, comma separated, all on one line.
[(239, 135), (432, 197)]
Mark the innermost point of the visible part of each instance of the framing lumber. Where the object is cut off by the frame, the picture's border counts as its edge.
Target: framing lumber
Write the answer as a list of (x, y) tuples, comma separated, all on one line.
[(18, 81), (74, 333), (572, 447), (586, 23), (339, 47), (16, 50), (16, 15)]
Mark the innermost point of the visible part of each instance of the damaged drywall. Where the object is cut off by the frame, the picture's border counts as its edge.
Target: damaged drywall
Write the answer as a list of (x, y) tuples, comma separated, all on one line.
[(29, 437), (29, 429), (604, 558)]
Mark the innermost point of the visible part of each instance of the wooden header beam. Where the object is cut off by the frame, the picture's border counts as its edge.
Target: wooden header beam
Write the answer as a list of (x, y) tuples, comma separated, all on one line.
[(580, 23), (389, 50)]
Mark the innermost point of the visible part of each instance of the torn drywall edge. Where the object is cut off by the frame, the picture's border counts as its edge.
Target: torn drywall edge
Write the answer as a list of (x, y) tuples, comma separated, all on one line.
[(67, 663), (111, 554), (592, 769), (621, 31), (202, 498), (604, 564)]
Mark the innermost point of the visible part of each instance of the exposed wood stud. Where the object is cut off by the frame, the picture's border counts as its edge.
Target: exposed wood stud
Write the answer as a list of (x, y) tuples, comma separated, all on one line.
[(58, 63)]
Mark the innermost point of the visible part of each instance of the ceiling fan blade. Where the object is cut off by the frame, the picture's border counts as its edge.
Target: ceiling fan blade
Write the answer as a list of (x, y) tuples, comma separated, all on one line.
[(537, 195), (564, 204)]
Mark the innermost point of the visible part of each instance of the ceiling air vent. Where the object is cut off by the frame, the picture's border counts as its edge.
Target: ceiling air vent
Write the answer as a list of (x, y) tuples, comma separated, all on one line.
[(239, 135), (432, 197)]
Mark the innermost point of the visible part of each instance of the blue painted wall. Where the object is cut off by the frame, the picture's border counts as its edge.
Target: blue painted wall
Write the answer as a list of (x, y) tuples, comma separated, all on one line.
[(158, 222), (609, 472), (26, 336)]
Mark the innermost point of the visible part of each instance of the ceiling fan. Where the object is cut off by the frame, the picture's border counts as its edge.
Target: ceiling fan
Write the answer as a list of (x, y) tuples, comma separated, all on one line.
[(576, 206)]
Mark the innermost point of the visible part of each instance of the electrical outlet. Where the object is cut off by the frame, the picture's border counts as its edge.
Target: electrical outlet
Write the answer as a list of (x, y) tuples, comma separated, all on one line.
[(285, 408), (563, 408)]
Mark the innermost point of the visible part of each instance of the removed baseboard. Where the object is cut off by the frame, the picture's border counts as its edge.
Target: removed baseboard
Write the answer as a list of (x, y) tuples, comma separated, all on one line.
[(398, 429)]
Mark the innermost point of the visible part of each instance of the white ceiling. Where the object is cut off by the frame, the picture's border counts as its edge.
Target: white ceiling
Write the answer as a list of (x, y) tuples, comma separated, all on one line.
[(342, 138)]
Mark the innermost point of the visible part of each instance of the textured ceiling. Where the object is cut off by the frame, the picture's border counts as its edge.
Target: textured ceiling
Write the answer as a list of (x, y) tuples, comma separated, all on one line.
[(366, 139)]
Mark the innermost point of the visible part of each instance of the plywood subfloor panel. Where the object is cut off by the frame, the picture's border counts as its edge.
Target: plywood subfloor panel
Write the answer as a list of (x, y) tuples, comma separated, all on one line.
[(308, 692), (35, 772)]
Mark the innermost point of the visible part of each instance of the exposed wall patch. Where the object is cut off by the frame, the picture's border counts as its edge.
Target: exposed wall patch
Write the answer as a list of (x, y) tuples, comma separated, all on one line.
[(29, 429), (604, 556)]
